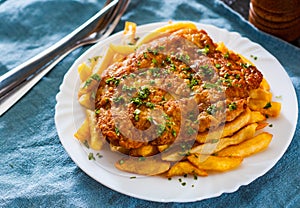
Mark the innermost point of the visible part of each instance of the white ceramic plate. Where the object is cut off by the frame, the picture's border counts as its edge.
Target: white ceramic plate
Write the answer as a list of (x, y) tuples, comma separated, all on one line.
[(69, 115)]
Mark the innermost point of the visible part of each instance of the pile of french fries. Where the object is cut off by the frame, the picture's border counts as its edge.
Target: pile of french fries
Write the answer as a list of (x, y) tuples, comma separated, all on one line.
[(220, 150)]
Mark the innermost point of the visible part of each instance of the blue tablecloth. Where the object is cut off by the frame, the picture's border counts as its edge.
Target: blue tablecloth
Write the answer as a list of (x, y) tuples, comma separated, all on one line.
[(36, 171)]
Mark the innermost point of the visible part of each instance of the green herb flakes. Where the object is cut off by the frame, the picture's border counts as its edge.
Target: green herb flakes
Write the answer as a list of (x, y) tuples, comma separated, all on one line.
[(91, 156)]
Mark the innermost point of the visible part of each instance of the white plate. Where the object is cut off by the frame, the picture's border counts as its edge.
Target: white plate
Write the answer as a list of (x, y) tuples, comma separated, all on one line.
[(69, 115)]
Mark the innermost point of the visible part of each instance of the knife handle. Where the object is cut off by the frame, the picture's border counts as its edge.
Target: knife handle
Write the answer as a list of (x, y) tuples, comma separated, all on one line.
[(16, 76)]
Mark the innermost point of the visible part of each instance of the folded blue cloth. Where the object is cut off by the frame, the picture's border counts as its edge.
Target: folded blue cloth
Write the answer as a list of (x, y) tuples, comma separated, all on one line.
[(36, 171)]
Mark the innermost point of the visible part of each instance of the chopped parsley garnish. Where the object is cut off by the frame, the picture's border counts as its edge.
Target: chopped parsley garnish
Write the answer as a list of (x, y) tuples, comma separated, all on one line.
[(137, 101), (143, 92), (117, 131), (145, 55), (207, 71), (154, 61), (204, 50), (218, 66), (91, 156), (211, 110), (173, 132), (232, 106), (191, 131), (245, 65), (168, 59), (161, 129), (150, 105), (142, 158), (95, 58), (99, 155), (193, 82), (254, 57), (112, 80), (184, 58), (118, 99), (97, 111), (172, 67), (268, 105), (214, 141), (208, 85), (226, 55), (161, 48), (136, 114), (152, 82), (150, 119)]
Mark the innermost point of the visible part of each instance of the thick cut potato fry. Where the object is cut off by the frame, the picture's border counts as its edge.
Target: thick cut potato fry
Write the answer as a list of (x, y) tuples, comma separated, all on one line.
[(215, 163), (89, 85), (255, 117), (185, 167), (162, 148), (83, 133), (84, 72), (261, 125), (248, 147), (212, 147), (228, 129), (86, 101), (261, 94), (147, 150), (268, 108), (96, 140), (122, 49), (142, 165), (120, 149), (274, 110), (165, 29), (129, 33), (264, 85)]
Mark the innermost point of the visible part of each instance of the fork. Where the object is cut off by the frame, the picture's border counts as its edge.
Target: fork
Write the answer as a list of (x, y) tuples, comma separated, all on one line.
[(18, 81)]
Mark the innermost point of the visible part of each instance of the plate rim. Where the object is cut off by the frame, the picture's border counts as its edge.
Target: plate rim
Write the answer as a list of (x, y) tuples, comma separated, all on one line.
[(78, 161)]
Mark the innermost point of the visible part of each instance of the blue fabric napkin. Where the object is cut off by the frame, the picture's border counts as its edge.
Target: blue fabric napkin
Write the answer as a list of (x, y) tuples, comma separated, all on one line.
[(36, 171)]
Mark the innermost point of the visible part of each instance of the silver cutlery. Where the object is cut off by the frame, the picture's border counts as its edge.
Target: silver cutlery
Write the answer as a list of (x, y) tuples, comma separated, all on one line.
[(18, 81)]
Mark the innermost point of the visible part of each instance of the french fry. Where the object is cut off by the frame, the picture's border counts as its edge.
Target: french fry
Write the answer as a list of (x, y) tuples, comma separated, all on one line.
[(261, 125), (164, 30), (248, 147), (162, 148), (96, 140), (120, 149), (129, 33), (83, 133), (273, 110), (84, 71), (144, 151), (122, 49), (215, 146), (264, 85), (86, 101), (215, 163), (268, 108), (219, 150), (228, 129), (255, 117), (142, 165), (89, 85), (261, 94), (185, 167)]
